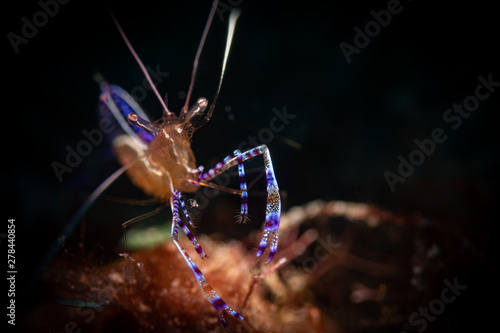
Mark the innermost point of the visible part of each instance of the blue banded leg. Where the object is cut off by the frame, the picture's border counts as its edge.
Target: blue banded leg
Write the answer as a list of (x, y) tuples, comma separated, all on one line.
[(243, 187), (221, 167), (184, 209), (209, 292), (178, 199), (218, 169), (273, 207)]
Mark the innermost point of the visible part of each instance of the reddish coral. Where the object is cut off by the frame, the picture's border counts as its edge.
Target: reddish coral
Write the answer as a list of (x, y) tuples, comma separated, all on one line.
[(155, 291)]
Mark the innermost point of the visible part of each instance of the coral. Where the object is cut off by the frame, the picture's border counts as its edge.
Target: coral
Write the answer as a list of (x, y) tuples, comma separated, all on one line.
[(341, 267), (154, 290)]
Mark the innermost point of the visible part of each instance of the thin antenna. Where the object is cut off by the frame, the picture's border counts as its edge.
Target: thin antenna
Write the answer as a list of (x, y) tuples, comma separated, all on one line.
[(58, 244), (235, 13), (143, 68), (185, 108)]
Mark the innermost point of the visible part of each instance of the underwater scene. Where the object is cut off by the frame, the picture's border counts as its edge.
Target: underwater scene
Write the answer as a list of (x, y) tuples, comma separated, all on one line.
[(250, 166)]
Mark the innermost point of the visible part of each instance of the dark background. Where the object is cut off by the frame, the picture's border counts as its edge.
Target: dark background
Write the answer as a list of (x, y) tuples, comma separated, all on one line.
[(352, 120)]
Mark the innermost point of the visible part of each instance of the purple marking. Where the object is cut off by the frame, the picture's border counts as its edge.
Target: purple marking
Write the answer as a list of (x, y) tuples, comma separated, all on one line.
[(113, 94), (273, 207), (177, 197)]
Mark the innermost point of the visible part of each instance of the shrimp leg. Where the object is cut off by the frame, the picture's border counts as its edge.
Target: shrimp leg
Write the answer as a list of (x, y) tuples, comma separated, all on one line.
[(209, 292), (273, 207)]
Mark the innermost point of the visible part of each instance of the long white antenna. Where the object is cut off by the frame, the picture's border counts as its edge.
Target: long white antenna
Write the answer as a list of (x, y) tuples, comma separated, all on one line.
[(235, 13)]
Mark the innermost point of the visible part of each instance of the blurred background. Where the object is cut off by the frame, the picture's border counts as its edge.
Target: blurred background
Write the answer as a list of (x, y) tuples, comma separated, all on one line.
[(348, 120)]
